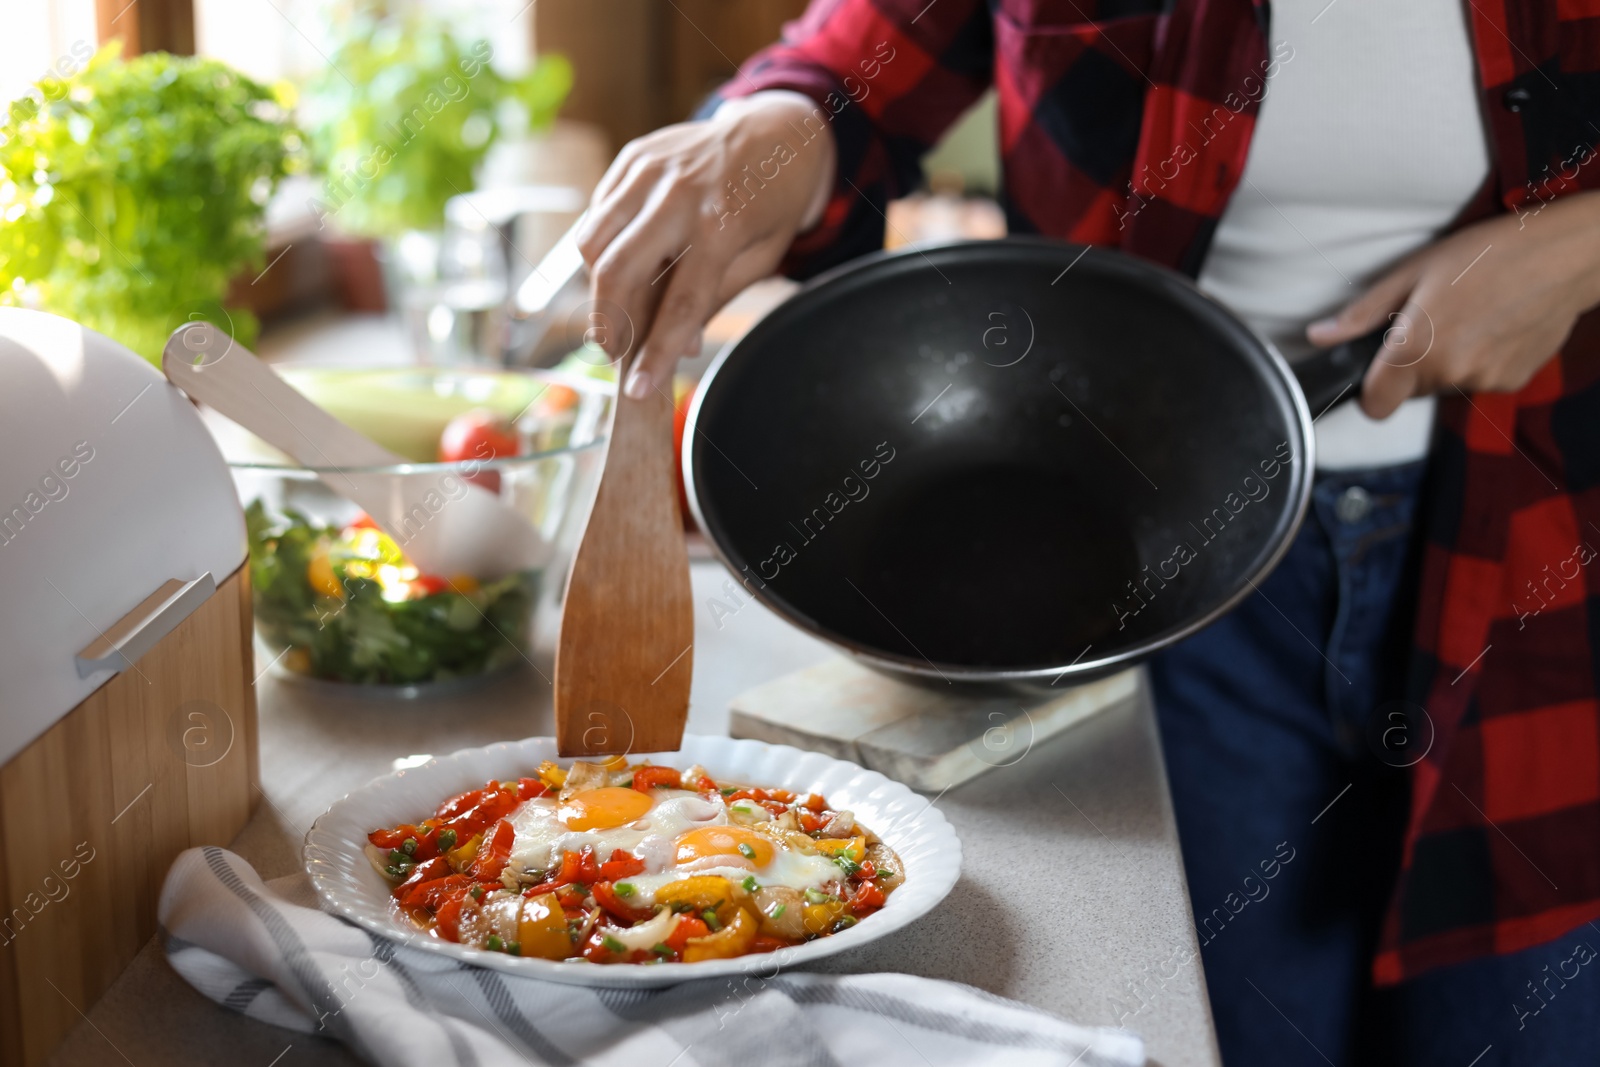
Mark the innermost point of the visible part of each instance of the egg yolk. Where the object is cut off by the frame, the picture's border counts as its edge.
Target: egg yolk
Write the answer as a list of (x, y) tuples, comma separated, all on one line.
[(724, 841), (601, 809)]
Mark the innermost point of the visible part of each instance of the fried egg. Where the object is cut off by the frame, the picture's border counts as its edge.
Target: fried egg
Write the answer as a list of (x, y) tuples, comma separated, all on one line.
[(676, 832)]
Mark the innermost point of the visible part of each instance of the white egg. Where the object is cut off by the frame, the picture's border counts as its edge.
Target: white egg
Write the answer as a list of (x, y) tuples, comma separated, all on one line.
[(541, 836)]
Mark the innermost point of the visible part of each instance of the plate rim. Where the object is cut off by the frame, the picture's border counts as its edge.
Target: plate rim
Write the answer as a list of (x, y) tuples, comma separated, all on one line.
[(325, 858)]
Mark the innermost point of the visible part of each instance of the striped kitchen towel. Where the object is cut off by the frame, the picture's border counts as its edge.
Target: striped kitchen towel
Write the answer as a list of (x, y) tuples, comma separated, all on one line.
[(268, 951)]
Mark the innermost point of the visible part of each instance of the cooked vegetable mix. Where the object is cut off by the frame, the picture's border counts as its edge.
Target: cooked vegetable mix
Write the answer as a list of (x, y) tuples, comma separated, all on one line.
[(613, 863)]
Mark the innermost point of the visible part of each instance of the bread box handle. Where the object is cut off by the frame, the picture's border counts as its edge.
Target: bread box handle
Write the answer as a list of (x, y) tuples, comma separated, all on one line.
[(137, 632)]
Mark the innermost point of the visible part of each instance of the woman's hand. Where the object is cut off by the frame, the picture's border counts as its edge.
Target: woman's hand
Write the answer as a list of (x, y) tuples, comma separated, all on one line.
[(689, 215), (1482, 309)]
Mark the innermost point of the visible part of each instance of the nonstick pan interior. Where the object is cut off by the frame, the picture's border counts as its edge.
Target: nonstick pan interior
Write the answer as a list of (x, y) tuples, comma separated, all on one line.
[(999, 460)]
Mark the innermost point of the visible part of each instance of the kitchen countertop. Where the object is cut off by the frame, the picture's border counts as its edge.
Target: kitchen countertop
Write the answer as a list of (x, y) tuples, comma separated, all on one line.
[(1071, 896)]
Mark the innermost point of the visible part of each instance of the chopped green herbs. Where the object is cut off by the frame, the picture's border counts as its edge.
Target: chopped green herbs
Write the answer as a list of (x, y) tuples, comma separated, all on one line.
[(624, 889), (750, 884), (710, 917), (612, 944), (746, 851), (662, 949), (777, 910), (447, 840), (494, 944)]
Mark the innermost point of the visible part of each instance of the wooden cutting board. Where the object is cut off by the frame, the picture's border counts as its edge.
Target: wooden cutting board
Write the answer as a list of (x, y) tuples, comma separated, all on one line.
[(924, 736)]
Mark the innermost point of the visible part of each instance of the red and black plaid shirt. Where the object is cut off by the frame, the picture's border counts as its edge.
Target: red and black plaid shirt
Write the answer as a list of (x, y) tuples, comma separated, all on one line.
[(1122, 125)]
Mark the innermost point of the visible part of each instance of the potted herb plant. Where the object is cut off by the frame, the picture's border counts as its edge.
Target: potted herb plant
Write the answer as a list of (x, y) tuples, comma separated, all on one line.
[(404, 115), (132, 191)]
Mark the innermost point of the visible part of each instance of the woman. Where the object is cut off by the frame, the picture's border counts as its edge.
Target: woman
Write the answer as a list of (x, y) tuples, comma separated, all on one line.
[(1402, 723)]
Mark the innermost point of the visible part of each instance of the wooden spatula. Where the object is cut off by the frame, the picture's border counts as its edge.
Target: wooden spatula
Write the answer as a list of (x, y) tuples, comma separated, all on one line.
[(624, 659)]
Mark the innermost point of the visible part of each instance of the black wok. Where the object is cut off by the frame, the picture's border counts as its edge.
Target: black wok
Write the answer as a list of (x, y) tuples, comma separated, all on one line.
[(1016, 461)]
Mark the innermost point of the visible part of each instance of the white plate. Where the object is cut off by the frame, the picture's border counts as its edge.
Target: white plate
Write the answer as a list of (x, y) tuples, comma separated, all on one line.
[(906, 821)]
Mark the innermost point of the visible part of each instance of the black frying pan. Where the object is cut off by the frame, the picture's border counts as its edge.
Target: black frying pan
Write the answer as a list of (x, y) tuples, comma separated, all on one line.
[(1005, 461)]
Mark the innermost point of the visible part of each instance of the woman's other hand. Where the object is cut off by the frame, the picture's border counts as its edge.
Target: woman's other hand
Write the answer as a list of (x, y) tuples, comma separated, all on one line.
[(1482, 309), (689, 215)]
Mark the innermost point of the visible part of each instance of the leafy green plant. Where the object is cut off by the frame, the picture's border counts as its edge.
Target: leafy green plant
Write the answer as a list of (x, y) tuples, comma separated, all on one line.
[(131, 192), (405, 113)]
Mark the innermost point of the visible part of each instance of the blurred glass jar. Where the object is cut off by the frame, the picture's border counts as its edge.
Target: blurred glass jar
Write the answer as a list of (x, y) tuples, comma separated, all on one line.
[(450, 289)]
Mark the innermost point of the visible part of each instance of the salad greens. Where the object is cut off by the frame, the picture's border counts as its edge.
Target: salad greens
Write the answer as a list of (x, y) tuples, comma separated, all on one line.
[(132, 191), (347, 606)]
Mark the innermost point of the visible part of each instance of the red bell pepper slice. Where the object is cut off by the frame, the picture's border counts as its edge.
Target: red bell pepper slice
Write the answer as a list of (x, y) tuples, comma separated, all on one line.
[(425, 872), (688, 926), (460, 804), (621, 865), (648, 778), (494, 803), (447, 919), (430, 895), (492, 855), (868, 897), (605, 895)]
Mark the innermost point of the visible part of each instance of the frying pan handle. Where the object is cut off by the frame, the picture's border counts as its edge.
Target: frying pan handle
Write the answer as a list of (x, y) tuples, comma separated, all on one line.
[(1336, 372)]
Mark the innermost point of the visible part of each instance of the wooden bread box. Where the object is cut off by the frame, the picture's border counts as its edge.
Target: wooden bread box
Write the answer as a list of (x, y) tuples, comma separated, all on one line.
[(127, 707)]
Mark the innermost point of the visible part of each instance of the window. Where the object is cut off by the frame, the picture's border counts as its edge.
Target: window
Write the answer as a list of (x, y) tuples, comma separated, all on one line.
[(44, 37)]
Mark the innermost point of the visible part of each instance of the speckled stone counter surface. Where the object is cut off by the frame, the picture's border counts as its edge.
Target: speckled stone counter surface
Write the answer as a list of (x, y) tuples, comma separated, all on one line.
[(1071, 896)]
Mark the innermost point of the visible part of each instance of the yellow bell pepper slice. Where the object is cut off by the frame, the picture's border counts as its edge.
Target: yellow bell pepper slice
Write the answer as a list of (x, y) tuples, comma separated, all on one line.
[(821, 917), (319, 574), (460, 857), (734, 939), (853, 847), (542, 928), (551, 775), (705, 892)]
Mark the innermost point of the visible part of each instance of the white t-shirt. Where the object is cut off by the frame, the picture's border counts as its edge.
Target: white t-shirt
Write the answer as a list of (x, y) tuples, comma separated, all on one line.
[(1368, 144)]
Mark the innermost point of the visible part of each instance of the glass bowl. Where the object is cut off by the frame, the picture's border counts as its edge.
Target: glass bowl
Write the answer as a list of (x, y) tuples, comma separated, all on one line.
[(335, 601)]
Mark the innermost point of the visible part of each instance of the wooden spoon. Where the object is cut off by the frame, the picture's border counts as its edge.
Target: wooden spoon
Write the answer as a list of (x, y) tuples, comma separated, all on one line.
[(624, 660), (445, 524)]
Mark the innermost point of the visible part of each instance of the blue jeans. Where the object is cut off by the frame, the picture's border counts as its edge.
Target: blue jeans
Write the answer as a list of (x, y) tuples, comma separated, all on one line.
[(1286, 745)]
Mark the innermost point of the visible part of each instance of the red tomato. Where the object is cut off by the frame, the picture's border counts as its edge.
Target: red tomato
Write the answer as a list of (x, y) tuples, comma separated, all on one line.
[(475, 436), (427, 585)]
